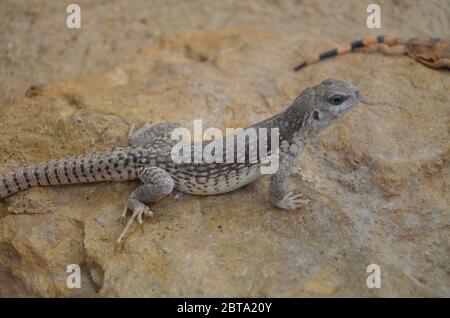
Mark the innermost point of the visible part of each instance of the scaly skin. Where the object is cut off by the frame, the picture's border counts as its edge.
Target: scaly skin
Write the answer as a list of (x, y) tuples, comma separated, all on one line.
[(149, 157), (434, 53)]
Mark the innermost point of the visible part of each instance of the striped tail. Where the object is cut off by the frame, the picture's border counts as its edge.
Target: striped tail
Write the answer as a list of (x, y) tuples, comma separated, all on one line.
[(106, 166), (351, 47)]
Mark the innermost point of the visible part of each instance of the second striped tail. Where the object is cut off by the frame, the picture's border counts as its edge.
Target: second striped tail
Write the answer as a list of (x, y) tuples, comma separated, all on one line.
[(351, 47)]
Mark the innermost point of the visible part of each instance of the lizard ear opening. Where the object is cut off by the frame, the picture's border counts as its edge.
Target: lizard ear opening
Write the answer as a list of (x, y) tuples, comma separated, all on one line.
[(316, 115)]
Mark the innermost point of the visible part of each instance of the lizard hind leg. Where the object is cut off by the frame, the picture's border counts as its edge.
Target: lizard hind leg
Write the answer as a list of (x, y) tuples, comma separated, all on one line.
[(147, 133), (157, 184)]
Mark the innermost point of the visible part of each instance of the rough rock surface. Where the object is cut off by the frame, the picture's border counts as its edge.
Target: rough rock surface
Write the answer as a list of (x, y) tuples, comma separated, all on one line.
[(378, 179)]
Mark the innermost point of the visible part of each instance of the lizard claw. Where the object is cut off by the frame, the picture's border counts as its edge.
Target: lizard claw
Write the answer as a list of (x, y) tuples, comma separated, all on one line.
[(132, 131), (292, 201), (138, 212)]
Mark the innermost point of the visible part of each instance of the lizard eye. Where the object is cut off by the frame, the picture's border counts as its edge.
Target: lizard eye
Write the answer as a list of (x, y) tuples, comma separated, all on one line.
[(337, 99)]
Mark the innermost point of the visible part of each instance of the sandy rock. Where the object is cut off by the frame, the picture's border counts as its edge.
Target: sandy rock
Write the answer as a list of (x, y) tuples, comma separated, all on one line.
[(378, 179)]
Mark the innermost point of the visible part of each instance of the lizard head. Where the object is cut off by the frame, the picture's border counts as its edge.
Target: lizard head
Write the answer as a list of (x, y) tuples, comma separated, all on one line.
[(327, 101)]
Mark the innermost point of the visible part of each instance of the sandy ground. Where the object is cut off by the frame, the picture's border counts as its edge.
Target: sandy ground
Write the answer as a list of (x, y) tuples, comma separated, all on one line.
[(378, 179), (38, 48)]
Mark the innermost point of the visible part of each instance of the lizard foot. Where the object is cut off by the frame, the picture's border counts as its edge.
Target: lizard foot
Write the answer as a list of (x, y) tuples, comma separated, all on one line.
[(144, 127), (138, 212), (139, 136), (292, 201)]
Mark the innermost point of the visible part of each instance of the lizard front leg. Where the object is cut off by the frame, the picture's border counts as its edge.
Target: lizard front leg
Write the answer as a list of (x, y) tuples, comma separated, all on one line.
[(277, 186), (157, 184), (148, 133)]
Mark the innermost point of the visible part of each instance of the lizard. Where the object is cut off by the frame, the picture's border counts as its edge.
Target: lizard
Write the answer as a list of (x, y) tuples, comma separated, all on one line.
[(148, 158), (432, 52)]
